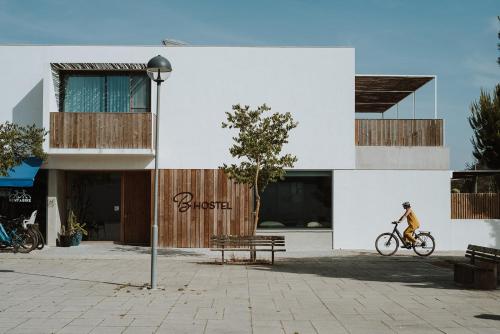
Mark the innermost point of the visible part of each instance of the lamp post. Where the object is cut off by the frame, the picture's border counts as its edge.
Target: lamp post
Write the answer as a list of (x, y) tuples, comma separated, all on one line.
[(155, 68)]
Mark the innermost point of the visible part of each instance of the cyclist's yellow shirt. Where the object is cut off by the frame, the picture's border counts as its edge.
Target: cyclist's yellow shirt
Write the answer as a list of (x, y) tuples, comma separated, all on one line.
[(413, 220)]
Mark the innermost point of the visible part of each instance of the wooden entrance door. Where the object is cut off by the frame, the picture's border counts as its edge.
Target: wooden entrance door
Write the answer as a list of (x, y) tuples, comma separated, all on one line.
[(136, 207)]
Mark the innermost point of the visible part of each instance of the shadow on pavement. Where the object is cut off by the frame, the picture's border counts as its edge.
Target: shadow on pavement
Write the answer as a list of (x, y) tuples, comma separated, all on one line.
[(161, 251), (488, 316), (413, 271), (119, 285)]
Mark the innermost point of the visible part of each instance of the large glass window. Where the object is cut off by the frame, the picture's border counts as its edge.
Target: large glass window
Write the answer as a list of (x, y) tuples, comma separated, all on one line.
[(115, 92), (301, 200)]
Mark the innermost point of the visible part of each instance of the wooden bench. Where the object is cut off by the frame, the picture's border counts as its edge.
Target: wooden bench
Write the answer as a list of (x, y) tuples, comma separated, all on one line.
[(482, 271), (252, 244)]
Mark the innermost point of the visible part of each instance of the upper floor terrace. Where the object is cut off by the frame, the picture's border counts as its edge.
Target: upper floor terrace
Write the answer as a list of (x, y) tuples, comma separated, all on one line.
[(397, 142), (376, 95)]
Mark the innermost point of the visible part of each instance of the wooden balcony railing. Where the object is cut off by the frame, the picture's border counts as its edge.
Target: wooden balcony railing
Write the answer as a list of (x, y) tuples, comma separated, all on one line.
[(475, 206), (399, 132), (101, 130)]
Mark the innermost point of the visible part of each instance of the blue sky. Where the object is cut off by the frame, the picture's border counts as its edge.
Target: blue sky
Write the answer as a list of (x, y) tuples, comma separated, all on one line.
[(456, 40)]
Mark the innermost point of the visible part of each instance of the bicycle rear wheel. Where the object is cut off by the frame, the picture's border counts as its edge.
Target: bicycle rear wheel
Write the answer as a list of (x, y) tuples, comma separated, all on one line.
[(25, 241), (39, 236), (386, 244), (41, 240), (425, 245)]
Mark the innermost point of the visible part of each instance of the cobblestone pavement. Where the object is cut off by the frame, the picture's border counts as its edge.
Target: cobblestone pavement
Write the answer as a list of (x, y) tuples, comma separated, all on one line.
[(98, 288)]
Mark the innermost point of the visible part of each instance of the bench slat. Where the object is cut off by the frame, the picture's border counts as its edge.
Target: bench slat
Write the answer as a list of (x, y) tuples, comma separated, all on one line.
[(482, 249), (246, 250)]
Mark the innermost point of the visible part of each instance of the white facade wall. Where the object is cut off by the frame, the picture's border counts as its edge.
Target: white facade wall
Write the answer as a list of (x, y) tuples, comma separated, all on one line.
[(366, 201), (403, 157), (482, 232), (315, 84)]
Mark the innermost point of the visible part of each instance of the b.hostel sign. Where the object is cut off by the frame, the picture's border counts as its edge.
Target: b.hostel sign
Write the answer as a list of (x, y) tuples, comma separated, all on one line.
[(185, 202)]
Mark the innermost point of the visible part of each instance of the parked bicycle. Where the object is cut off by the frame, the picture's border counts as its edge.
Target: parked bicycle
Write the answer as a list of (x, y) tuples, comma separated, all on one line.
[(15, 234), (387, 244)]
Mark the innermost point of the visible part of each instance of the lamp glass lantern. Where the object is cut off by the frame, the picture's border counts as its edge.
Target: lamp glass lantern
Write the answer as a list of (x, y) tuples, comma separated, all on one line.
[(158, 69)]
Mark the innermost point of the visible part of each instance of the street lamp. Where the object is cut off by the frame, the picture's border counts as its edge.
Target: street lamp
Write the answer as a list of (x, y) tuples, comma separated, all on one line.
[(156, 67)]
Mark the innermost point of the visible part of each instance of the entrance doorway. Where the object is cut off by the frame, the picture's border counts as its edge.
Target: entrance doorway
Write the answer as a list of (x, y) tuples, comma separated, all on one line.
[(136, 203), (115, 206)]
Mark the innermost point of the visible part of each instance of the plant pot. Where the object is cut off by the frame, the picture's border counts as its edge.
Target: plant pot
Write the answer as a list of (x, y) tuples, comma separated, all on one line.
[(76, 239), (64, 241)]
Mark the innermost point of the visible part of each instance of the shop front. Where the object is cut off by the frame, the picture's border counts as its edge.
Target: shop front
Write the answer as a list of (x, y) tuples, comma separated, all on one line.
[(24, 190)]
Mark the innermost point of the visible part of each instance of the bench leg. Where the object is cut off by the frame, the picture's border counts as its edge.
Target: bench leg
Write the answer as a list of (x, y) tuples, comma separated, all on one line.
[(463, 275), (272, 257), (485, 279), (222, 257)]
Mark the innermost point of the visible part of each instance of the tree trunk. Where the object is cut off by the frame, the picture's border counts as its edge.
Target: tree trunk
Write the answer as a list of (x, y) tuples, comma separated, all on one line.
[(253, 254), (257, 199), (256, 214)]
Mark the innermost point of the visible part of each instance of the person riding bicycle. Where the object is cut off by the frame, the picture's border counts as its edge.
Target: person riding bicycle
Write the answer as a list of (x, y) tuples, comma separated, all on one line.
[(413, 223)]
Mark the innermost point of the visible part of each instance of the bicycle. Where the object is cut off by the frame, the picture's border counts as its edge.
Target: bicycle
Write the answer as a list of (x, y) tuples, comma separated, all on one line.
[(387, 244), (20, 238)]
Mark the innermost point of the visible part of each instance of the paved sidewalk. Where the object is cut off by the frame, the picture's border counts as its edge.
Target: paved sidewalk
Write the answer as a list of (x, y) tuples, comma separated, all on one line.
[(98, 288)]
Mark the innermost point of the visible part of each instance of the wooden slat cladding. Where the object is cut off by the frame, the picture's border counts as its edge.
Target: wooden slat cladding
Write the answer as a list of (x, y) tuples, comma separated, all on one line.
[(475, 206), (100, 130), (399, 132), (195, 204)]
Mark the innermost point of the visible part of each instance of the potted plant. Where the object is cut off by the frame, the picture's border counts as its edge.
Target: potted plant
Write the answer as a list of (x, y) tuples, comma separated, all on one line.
[(76, 230), (64, 237)]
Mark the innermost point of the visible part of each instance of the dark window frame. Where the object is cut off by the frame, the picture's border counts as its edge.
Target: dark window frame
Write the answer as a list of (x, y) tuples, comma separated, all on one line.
[(65, 73)]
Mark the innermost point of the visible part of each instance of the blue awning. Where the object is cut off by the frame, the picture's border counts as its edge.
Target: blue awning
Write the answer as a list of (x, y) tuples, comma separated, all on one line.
[(22, 175)]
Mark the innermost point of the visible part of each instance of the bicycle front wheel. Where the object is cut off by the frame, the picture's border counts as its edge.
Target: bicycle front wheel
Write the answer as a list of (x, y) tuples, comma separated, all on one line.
[(425, 244), (386, 244)]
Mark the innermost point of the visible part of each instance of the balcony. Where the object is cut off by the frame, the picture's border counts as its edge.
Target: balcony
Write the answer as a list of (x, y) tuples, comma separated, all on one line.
[(89, 131), (399, 132)]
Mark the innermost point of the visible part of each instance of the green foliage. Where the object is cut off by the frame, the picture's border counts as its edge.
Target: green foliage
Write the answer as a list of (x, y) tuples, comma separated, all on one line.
[(259, 143), (485, 122), (18, 143), (73, 226), (258, 146)]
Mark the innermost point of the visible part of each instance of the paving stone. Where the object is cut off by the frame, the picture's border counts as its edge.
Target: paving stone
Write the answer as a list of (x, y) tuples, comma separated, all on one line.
[(76, 329), (298, 326), (140, 330), (182, 327)]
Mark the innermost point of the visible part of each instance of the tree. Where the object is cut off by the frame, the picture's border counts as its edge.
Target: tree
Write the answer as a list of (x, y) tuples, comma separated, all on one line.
[(18, 143), (258, 146), (485, 123)]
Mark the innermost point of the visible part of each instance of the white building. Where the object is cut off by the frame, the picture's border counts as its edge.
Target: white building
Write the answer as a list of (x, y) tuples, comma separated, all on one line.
[(347, 186)]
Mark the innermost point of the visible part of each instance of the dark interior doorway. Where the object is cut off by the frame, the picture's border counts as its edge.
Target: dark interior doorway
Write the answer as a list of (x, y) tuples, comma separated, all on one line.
[(95, 199)]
